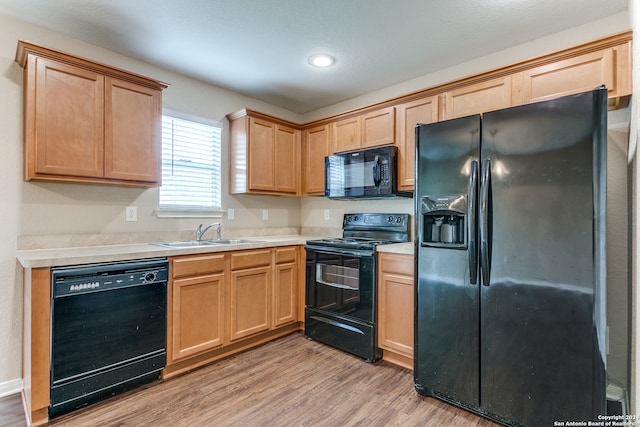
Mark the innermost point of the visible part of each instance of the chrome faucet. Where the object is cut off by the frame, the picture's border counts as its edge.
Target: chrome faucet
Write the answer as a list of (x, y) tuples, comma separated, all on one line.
[(200, 232)]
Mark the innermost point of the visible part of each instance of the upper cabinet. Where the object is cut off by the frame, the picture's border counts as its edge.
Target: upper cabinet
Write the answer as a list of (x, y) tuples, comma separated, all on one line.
[(609, 67), (263, 155), (478, 98), (378, 127), (367, 130), (315, 147), (346, 134), (408, 115), (88, 122)]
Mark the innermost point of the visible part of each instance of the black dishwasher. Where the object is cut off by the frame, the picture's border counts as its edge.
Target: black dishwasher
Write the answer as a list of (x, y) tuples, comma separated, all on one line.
[(108, 330)]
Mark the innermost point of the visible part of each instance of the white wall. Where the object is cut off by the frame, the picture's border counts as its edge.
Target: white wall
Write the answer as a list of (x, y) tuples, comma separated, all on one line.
[(45, 208)]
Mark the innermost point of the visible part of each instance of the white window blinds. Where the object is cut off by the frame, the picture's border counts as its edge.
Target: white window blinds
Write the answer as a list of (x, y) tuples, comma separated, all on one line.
[(191, 165)]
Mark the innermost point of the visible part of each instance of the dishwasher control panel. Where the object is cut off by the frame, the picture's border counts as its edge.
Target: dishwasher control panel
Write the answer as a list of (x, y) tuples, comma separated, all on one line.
[(99, 277)]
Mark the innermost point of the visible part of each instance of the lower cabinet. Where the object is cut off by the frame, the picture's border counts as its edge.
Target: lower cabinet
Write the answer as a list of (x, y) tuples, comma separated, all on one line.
[(285, 285), (396, 308), (226, 302), (249, 293), (196, 302)]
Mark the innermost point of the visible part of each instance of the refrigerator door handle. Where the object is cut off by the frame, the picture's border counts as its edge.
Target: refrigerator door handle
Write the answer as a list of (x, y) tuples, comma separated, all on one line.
[(484, 221), (471, 212)]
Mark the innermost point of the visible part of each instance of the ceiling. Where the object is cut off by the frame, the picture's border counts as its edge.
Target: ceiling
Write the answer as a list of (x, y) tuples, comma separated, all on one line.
[(260, 47)]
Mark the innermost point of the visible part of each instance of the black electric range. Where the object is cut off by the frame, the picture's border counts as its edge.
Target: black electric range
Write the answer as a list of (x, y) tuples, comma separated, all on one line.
[(341, 282)]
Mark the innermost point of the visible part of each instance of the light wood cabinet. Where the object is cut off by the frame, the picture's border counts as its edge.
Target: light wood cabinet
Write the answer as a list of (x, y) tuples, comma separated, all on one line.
[(224, 302), (286, 163), (346, 134), (264, 155), (132, 147), (478, 98), (196, 301), (315, 148), (379, 127), (87, 122), (408, 115), (582, 73), (285, 284), (372, 129), (250, 293), (396, 308)]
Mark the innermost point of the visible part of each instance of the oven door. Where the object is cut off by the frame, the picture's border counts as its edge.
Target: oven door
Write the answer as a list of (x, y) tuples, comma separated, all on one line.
[(366, 173), (341, 282)]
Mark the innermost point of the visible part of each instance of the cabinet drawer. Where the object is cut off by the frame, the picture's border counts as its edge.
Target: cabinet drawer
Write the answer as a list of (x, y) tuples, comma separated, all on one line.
[(250, 259), (197, 265), (397, 264), (284, 255)]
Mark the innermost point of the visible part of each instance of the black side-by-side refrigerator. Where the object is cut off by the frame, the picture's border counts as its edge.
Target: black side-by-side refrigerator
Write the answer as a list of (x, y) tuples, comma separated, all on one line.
[(510, 267)]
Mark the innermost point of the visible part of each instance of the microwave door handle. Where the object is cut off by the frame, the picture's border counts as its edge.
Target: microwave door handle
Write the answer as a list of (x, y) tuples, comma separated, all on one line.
[(376, 171)]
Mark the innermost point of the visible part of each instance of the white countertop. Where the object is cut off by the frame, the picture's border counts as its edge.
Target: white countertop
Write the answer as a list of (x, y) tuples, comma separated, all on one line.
[(55, 257), (35, 258), (397, 248)]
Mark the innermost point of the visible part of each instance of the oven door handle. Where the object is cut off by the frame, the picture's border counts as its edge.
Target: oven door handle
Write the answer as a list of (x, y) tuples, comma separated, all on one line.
[(337, 285)]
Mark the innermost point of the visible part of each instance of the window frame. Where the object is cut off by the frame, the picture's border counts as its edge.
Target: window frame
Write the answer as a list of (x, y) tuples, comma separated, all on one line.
[(184, 211)]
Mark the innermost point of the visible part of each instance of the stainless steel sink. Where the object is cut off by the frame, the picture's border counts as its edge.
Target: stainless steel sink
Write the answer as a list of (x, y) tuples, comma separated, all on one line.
[(185, 244), (232, 241)]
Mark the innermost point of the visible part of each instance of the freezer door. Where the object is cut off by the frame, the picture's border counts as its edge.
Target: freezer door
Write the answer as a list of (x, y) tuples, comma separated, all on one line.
[(542, 303), (447, 304)]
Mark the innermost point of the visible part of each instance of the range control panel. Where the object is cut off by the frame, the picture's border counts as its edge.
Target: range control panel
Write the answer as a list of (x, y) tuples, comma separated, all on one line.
[(382, 220)]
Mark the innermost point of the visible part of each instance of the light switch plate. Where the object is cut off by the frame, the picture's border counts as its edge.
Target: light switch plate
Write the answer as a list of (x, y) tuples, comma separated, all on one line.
[(265, 214), (231, 214), (327, 215)]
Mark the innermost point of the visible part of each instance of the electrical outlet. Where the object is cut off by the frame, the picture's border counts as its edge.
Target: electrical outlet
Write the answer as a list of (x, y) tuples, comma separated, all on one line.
[(327, 215), (231, 214), (265, 214), (131, 213)]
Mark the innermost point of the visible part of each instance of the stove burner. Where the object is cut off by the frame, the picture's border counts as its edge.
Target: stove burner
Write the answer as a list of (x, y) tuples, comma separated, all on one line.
[(361, 242), (366, 231)]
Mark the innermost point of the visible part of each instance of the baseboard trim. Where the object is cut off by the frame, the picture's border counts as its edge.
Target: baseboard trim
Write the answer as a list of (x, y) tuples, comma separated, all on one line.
[(10, 387)]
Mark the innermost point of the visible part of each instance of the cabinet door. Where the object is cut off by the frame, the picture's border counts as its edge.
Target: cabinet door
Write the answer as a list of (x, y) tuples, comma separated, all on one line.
[(132, 132), (250, 302), (396, 307), (287, 173), (478, 98), (379, 127), (573, 75), (261, 151), (346, 134), (197, 315), (409, 114), (64, 120), (316, 148), (285, 295)]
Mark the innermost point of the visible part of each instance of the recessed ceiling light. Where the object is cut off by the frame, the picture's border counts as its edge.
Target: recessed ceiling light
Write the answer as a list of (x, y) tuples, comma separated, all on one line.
[(321, 60)]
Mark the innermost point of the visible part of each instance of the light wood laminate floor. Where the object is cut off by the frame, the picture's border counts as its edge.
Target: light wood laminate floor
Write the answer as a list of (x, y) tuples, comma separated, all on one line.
[(288, 382)]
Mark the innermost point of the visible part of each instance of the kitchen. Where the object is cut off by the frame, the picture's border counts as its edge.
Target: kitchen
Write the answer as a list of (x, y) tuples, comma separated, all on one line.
[(58, 212)]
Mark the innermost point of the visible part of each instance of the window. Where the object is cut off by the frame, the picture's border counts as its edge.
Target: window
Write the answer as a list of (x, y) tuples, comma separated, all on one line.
[(191, 163)]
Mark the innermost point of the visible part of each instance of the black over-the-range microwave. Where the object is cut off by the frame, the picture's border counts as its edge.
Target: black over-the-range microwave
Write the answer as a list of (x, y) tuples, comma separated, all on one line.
[(363, 174)]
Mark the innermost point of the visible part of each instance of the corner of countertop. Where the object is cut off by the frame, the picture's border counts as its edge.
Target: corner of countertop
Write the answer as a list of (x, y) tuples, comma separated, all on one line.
[(407, 248)]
